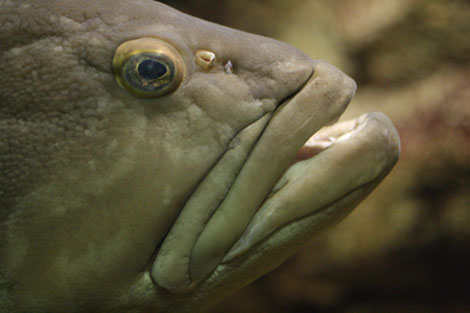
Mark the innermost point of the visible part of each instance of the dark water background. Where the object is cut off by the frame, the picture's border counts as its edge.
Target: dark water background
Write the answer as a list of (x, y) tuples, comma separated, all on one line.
[(407, 247)]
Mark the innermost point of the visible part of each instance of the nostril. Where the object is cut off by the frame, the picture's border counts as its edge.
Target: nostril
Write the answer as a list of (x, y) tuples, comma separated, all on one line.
[(205, 59)]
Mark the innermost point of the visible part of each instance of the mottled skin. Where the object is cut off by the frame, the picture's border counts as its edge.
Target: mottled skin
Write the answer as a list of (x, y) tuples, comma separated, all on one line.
[(93, 178)]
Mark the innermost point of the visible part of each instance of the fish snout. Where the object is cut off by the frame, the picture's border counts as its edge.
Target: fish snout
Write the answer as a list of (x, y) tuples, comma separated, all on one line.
[(332, 88)]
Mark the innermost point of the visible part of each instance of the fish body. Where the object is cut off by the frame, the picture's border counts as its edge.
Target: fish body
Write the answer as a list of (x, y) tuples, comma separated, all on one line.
[(154, 162)]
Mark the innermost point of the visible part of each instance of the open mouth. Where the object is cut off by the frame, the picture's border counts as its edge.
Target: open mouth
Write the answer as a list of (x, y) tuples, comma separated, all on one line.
[(335, 162), (263, 183), (326, 137)]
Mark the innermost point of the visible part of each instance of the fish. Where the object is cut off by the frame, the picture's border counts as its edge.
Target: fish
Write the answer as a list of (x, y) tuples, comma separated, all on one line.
[(152, 161)]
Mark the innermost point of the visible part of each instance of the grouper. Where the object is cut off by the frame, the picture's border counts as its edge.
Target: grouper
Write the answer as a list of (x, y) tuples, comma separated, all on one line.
[(154, 162)]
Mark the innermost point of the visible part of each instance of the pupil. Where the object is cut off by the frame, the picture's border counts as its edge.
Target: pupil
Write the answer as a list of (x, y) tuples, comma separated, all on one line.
[(151, 69)]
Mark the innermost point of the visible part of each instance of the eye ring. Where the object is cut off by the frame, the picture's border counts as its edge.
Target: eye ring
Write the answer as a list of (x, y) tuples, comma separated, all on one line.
[(148, 67)]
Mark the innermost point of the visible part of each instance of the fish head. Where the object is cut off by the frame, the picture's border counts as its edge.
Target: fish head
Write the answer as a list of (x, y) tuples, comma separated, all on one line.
[(153, 161)]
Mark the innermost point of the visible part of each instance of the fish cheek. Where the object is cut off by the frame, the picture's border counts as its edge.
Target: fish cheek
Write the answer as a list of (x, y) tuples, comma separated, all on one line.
[(226, 99)]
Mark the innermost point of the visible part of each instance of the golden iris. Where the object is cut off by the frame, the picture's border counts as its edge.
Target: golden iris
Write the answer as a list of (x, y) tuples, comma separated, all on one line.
[(148, 67)]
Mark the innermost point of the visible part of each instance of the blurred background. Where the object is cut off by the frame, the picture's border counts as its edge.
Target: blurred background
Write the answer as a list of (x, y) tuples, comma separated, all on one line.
[(407, 247)]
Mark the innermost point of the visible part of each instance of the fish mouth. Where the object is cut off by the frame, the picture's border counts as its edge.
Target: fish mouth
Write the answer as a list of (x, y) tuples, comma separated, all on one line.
[(344, 160), (260, 186)]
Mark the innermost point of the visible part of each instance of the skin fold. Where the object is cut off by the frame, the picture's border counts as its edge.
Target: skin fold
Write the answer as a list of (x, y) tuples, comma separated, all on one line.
[(120, 201)]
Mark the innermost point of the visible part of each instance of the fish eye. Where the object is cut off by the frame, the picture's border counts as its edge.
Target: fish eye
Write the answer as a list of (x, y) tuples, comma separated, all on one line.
[(148, 67)]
